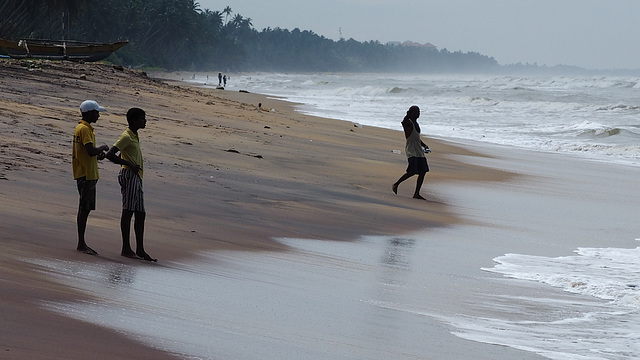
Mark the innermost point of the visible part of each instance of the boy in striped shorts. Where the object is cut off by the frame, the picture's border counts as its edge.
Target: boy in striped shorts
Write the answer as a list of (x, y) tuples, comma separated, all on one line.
[(130, 179)]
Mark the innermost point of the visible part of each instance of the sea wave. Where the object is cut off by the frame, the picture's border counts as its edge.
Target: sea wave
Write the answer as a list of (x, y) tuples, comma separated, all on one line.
[(591, 116), (397, 90), (618, 107), (604, 273)]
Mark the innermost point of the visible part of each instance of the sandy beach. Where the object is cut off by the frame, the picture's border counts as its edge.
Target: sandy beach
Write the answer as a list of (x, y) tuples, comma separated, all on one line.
[(224, 177)]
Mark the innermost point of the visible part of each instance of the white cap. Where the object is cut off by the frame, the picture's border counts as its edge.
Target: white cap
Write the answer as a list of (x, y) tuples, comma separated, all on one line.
[(89, 105)]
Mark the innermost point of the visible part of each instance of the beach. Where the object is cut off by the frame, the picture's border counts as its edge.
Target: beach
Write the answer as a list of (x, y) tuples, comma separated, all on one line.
[(248, 192)]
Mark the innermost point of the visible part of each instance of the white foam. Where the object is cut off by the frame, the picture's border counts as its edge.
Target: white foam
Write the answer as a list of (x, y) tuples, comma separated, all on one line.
[(608, 274), (602, 324)]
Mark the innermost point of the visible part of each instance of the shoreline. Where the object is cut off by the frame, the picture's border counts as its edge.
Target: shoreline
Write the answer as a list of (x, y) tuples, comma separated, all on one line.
[(211, 186), (592, 140)]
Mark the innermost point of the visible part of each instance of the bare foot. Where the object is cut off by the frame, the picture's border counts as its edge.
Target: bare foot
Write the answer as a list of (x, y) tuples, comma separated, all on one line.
[(418, 197), (145, 256), (394, 187), (87, 250), (130, 255)]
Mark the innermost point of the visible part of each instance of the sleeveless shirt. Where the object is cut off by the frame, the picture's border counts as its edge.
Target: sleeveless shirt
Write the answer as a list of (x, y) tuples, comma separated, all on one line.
[(413, 147)]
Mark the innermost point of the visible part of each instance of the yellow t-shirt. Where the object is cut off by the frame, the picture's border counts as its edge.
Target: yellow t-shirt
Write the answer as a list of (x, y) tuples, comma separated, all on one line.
[(83, 164), (129, 146)]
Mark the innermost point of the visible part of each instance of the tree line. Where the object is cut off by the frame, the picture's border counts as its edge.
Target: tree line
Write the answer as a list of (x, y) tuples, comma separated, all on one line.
[(179, 35)]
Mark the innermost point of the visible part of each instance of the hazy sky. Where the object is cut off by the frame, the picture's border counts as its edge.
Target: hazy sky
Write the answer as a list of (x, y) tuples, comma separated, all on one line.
[(594, 34)]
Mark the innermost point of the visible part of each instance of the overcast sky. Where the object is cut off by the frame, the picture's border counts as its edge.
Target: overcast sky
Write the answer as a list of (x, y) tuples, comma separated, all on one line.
[(594, 34)]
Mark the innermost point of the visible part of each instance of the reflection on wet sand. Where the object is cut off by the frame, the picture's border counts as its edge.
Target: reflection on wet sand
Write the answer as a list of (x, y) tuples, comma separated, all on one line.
[(317, 300), (376, 298), (398, 253)]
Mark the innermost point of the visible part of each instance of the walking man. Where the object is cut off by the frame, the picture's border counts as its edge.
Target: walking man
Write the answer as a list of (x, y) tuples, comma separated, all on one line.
[(85, 158), (126, 152)]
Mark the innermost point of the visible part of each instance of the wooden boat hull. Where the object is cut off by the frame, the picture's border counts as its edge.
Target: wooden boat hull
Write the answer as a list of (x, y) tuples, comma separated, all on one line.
[(59, 50)]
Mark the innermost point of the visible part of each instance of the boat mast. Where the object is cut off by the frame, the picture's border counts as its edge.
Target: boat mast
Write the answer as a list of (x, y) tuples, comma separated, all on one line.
[(65, 25), (65, 31)]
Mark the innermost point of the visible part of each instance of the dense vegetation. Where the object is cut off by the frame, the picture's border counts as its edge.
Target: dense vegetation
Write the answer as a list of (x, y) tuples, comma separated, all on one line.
[(177, 34)]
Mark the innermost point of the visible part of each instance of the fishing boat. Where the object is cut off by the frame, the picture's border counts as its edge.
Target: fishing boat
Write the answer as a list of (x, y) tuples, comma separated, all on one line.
[(59, 50)]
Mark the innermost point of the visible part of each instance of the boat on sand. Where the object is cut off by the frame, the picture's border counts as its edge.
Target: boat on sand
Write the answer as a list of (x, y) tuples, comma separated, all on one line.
[(59, 49)]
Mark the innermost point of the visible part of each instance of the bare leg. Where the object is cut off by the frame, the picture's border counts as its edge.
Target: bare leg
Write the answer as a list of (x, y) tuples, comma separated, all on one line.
[(416, 194), (138, 227), (125, 229), (404, 177), (81, 220)]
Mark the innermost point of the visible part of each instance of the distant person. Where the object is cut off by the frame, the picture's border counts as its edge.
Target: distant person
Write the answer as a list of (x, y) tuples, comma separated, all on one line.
[(126, 152), (219, 79), (224, 80), (85, 158), (415, 150)]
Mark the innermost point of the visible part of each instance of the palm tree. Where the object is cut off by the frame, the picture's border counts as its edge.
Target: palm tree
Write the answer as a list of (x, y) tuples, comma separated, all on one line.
[(237, 21), (193, 6), (247, 23), (213, 19), (227, 11)]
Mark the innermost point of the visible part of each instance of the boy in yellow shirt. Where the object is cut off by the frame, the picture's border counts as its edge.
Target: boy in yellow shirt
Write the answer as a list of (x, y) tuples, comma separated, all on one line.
[(85, 158), (130, 179)]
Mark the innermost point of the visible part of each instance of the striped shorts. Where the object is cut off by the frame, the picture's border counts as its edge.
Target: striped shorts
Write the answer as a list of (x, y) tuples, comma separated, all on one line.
[(131, 189)]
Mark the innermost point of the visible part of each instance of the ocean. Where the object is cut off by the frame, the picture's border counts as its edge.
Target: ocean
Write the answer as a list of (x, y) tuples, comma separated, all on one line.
[(571, 292), (595, 117)]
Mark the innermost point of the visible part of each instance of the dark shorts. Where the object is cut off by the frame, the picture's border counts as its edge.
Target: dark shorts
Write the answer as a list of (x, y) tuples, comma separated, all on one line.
[(131, 189), (417, 165), (87, 191)]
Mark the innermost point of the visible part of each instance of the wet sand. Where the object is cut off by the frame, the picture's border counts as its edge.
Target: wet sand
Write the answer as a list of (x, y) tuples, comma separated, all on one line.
[(222, 177)]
